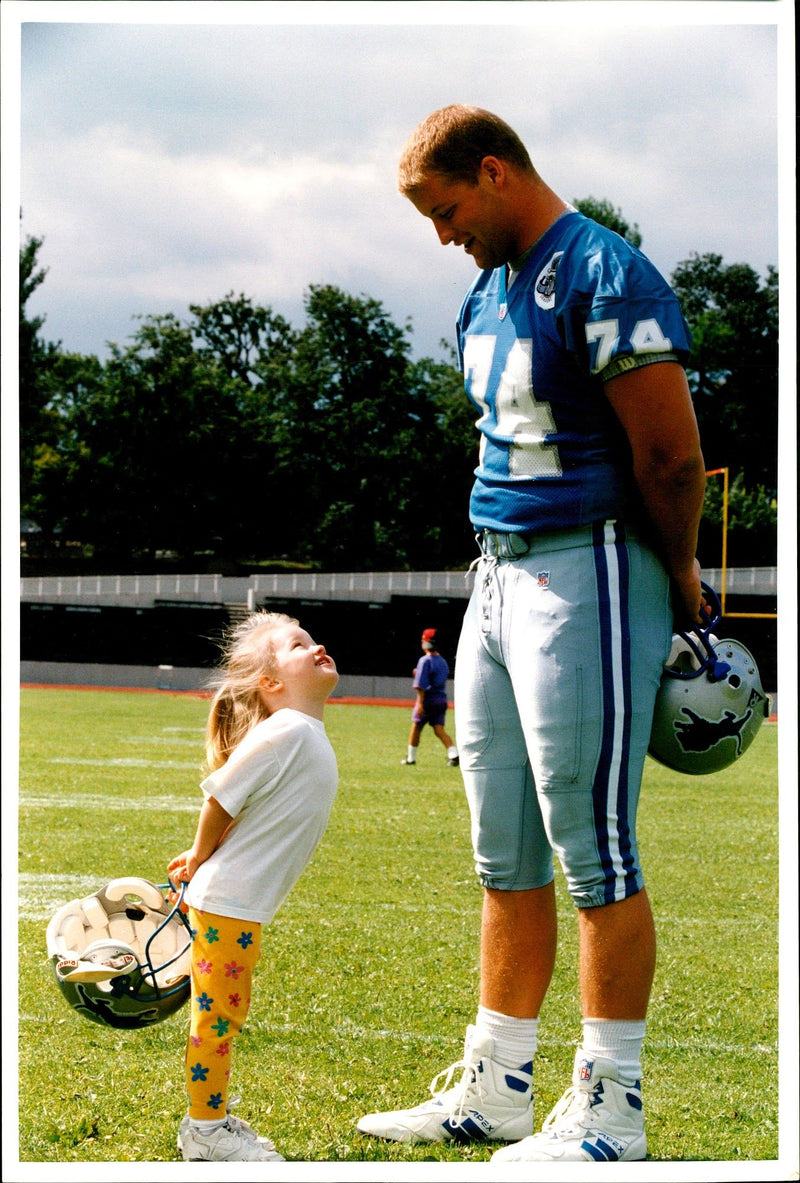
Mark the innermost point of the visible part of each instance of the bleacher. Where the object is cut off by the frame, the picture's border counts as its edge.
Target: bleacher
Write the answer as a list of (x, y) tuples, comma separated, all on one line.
[(162, 631)]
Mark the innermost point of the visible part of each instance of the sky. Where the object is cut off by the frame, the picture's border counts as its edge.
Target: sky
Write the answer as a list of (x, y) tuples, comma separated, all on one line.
[(252, 148)]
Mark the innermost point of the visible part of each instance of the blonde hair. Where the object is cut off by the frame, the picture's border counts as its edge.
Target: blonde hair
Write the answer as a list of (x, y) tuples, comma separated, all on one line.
[(248, 654), (453, 141)]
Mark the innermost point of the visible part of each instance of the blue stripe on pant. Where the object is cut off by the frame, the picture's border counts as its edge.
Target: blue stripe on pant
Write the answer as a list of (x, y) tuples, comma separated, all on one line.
[(611, 786)]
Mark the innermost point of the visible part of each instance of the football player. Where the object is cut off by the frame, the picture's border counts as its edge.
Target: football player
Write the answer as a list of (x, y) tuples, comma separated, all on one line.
[(586, 504)]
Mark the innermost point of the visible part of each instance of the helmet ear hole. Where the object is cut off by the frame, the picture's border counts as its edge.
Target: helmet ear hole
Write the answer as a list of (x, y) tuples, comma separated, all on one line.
[(735, 681)]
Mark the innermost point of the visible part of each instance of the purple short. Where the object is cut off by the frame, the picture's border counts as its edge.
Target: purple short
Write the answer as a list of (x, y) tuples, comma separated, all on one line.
[(433, 712)]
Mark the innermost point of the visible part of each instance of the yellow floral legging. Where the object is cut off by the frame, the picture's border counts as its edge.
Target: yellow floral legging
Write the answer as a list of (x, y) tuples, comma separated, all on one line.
[(224, 953)]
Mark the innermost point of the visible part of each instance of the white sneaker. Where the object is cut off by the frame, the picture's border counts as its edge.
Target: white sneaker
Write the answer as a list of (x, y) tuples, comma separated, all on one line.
[(597, 1120), (235, 1123), (490, 1103), (233, 1141), (238, 1123)]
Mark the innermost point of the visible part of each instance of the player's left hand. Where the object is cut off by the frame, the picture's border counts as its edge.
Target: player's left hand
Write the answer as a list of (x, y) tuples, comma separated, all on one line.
[(691, 608)]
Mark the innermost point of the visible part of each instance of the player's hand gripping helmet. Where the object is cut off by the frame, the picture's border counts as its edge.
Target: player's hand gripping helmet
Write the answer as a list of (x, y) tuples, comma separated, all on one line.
[(122, 956), (710, 704)]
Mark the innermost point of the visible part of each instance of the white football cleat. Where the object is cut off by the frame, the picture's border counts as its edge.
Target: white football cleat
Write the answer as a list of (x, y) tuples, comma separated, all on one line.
[(490, 1103), (597, 1120)]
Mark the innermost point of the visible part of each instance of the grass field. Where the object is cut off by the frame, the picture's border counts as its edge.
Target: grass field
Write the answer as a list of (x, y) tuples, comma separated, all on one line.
[(370, 970)]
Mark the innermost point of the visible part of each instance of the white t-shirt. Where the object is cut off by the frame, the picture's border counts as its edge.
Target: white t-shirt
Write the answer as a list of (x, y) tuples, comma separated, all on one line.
[(278, 785)]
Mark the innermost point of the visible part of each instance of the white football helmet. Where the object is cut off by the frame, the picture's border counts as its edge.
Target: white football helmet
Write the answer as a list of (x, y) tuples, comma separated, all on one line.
[(710, 704), (121, 957)]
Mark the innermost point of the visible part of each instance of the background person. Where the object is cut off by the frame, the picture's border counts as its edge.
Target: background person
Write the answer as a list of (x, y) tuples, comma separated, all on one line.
[(267, 800), (586, 504), (430, 683)]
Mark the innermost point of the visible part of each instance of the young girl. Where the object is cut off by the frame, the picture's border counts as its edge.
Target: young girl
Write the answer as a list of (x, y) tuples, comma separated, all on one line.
[(272, 782)]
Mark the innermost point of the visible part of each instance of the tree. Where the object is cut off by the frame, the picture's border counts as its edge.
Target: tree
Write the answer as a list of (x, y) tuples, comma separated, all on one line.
[(449, 454), (752, 534), (733, 375), (39, 427), (156, 449), (30, 277), (236, 436), (256, 349), (356, 428), (733, 366), (242, 337), (602, 211)]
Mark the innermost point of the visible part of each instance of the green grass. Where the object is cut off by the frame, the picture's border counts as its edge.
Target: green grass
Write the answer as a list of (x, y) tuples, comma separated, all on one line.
[(370, 970)]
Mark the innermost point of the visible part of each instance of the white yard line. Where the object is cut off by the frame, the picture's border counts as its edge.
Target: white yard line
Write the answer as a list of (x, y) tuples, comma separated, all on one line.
[(121, 762)]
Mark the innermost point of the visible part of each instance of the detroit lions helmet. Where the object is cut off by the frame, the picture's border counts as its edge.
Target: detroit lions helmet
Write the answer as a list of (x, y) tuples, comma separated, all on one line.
[(121, 957), (710, 704)]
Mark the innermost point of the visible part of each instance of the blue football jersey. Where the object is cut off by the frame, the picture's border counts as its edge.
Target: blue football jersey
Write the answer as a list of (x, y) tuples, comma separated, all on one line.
[(586, 306)]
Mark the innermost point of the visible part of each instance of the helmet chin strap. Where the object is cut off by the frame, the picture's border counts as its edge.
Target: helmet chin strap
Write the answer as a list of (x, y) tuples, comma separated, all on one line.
[(715, 669), (702, 645)]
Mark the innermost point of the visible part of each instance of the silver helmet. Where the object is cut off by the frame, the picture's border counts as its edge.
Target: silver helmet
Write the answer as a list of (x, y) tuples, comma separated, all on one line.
[(710, 704), (121, 957)]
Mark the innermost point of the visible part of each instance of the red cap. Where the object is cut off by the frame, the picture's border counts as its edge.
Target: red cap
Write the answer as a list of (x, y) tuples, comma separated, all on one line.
[(429, 634)]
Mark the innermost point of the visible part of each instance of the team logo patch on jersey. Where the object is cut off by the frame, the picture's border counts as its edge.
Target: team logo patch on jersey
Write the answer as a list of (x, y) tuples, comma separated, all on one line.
[(546, 283)]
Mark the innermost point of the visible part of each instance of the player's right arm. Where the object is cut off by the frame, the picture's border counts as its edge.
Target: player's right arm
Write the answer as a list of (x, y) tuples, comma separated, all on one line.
[(653, 403)]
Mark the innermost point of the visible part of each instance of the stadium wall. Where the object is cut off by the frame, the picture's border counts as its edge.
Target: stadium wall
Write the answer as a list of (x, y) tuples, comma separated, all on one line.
[(377, 586), (190, 678), (163, 632)]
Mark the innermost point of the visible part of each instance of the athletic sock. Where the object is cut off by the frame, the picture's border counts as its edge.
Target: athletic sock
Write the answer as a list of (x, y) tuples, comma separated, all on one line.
[(206, 1126), (452, 753), (619, 1040), (514, 1040), (411, 757)]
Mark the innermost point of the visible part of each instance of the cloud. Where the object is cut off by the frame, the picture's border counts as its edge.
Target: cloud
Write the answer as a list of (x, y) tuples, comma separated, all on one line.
[(176, 163)]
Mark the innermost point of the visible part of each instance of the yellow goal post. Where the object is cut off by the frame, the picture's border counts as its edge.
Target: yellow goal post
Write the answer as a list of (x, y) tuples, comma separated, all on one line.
[(725, 474)]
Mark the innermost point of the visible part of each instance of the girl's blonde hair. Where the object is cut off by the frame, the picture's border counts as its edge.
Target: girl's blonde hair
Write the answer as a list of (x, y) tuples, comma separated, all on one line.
[(248, 654)]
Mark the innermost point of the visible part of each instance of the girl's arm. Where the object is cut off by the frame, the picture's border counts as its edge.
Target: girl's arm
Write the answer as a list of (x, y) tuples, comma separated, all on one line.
[(211, 827)]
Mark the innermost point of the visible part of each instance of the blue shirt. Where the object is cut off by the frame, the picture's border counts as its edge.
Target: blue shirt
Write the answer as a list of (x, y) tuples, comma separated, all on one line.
[(431, 675), (587, 305)]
